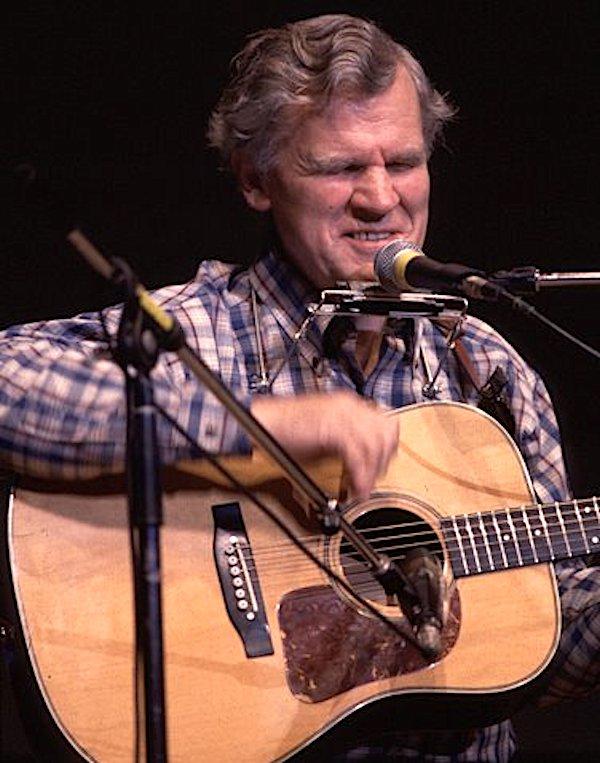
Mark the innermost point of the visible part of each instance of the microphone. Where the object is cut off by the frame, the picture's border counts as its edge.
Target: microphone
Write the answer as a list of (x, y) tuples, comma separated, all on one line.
[(424, 574), (402, 266)]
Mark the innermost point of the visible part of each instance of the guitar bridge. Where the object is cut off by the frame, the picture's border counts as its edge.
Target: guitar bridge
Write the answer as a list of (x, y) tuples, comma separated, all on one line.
[(239, 581)]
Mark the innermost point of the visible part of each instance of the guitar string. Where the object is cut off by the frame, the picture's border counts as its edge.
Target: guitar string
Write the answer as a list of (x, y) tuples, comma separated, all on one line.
[(368, 532), (370, 587), (492, 545), (359, 576), (380, 549), (555, 530), (295, 566), (499, 514)]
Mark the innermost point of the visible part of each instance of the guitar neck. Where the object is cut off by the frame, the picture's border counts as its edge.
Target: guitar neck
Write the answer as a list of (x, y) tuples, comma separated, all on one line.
[(507, 538)]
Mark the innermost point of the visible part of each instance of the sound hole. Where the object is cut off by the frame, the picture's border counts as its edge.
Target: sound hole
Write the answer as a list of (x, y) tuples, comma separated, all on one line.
[(390, 531)]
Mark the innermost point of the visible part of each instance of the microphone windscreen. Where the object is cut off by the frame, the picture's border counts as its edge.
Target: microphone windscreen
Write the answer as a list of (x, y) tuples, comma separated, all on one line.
[(391, 261)]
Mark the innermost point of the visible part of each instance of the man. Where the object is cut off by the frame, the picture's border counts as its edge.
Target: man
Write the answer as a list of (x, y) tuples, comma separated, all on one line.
[(328, 125)]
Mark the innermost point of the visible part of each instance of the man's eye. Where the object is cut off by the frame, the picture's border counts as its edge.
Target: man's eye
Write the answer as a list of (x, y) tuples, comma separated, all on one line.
[(341, 169)]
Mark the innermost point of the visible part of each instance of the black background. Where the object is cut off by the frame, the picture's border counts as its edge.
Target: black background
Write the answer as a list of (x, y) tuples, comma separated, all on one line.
[(109, 105)]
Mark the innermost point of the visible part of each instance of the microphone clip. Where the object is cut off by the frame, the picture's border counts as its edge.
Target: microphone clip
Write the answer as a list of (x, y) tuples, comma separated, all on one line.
[(418, 584), (426, 584)]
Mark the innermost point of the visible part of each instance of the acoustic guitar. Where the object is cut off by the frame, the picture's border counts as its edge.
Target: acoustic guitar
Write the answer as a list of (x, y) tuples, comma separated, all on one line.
[(266, 656)]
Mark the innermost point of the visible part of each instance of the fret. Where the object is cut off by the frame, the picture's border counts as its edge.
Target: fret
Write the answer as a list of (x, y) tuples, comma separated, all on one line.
[(590, 520), (452, 547), (524, 540), (463, 556), (480, 543), (513, 533), (529, 534), (471, 537), (495, 546), (556, 531), (562, 521), (507, 542), (486, 543), (581, 527), (515, 537), (546, 533), (499, 536), (573, 528), (539, 533)]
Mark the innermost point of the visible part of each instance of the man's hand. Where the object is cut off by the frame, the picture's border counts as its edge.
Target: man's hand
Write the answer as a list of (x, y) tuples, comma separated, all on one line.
[(338, 424)]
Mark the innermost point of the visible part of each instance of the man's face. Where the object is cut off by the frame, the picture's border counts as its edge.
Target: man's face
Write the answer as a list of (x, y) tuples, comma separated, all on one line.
[(348, 181)]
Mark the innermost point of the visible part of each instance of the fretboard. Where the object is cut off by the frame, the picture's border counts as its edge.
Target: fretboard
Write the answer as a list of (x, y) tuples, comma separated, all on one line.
[(507, 538)]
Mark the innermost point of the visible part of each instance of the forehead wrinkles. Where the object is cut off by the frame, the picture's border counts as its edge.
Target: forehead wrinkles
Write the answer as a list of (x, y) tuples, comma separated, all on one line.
[(346, 123), (355, 131)]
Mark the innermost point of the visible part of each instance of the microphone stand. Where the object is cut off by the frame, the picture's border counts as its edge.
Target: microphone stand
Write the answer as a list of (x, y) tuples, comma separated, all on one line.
[(136, 353), (527, 279)]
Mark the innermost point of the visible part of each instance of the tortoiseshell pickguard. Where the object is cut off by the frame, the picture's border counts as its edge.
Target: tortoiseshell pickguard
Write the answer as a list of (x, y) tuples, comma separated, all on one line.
[(330, 648)]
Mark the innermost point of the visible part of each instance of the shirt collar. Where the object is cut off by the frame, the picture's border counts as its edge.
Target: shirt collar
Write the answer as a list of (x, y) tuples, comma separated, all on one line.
[(280, 285), (283, 288)]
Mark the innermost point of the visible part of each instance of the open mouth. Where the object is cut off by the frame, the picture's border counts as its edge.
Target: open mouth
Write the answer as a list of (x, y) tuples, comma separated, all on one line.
[(372, 235)]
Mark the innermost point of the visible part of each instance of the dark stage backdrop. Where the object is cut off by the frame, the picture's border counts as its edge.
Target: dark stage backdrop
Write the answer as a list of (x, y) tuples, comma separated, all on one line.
[(109, 107)]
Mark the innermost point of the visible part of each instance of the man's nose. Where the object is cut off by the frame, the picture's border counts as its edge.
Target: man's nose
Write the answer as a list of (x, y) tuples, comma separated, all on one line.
[(374, 194)]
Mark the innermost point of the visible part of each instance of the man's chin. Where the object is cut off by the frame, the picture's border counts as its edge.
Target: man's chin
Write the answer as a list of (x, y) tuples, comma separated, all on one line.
[(364, 274), (348, 272)]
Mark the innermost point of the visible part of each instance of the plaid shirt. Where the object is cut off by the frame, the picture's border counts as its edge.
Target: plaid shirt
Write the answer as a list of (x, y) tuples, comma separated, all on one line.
[(62, 407)]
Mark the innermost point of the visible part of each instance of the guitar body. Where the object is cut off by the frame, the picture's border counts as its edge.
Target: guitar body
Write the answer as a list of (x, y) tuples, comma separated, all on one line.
[(70, 566)]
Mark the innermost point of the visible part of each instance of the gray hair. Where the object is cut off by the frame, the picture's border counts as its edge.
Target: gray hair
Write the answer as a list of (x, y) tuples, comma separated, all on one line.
[(283, 73)]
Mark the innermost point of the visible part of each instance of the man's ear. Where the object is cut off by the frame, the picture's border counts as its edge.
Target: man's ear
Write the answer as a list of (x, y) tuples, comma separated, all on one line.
[(250, 181)]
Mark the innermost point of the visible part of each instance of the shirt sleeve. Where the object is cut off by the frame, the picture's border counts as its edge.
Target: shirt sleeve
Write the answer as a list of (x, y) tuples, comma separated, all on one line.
[(539, 441), (62, 403)]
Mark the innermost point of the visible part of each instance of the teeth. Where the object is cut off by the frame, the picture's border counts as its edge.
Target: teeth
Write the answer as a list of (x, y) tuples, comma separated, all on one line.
[(365, 236)]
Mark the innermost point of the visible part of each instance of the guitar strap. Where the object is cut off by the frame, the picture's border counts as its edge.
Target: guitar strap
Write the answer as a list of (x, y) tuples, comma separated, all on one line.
[(492, 394)]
